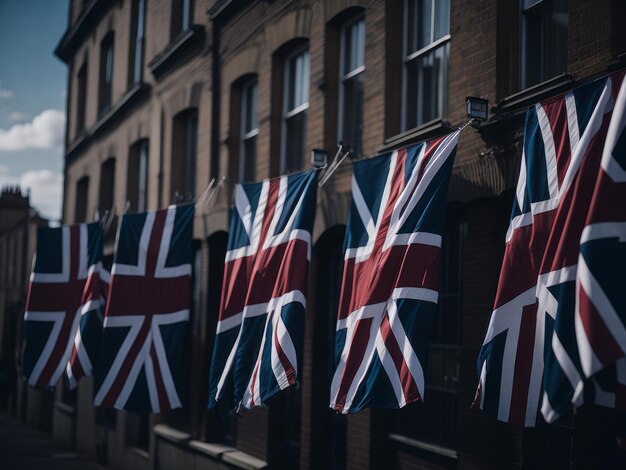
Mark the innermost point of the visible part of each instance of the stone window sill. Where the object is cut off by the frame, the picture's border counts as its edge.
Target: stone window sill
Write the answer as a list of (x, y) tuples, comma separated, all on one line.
[(418, 134), (183, 43)]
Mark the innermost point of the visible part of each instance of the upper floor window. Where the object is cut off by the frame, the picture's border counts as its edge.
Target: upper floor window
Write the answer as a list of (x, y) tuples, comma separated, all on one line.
[(184, 153), (426, 51), (249, 129), (295, 106), (106, 73), (182, 16), (137, 33), (351, 74), (137, 183), (81, 98), (82, 193), (544, 40), (107, 185)]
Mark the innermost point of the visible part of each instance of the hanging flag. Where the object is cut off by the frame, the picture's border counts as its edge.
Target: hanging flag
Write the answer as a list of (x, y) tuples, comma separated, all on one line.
[(390, 277), (142, 360), (261, 322), (64, 259), (87, 337), (530, 359), (600, 315)]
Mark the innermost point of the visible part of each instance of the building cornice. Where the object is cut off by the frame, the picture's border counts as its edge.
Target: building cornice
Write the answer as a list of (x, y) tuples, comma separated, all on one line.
[(84, 24), (127, 101), (185, 42)]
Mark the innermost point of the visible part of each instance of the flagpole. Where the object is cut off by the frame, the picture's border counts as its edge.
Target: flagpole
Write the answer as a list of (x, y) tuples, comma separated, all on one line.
[(328, 170)]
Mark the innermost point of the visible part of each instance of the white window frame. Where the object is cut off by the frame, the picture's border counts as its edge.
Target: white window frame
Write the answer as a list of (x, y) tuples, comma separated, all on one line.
[(345, 76), (407, 58), (289, 113), (243, 135)]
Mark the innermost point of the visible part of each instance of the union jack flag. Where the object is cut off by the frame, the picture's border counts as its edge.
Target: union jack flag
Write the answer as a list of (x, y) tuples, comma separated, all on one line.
[(65, 261), (142, 360), (87, 338), (390, 278), (261, 321), (531, 358)]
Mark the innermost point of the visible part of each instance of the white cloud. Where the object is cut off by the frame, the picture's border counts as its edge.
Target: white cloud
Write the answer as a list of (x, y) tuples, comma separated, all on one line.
[(46, 189), (45, 131), (4, 93), (17, 116)]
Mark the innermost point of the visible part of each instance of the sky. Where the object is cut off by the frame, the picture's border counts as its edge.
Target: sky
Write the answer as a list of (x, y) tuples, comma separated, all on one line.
[(33, 84)]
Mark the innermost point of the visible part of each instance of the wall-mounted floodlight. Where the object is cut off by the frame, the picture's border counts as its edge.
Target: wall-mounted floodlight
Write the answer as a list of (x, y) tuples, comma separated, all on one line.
[(319, 158), (477, 108)]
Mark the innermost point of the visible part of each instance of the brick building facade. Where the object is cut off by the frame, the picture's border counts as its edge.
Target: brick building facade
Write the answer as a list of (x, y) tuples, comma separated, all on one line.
[(164, 95), (18, 235)]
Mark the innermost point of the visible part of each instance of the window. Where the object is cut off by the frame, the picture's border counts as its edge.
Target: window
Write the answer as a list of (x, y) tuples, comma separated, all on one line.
[(352, 68), (81, 98), (107, 185), (295, 105), (426, 50), (544, 40), (137, 182), (182, 17), (184, 153), (106, 73), (82, 193), (135, 68), (435, 419), (249, 129)]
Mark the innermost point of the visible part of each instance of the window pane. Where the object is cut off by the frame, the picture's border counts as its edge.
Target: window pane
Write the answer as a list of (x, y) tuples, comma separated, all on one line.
[(353, 113), (533, 49), (297, 80), (108, 74), (186, 14), (442, 18), (190, 153), (544, 40), (354, 45), (419, 18), (248, 101), (425, 87), (143, 177), (138, 52), (248, 159), (555, 39), (295, 138)]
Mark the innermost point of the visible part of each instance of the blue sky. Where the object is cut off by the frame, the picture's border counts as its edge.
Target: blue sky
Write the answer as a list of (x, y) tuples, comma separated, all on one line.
[(33, 84)]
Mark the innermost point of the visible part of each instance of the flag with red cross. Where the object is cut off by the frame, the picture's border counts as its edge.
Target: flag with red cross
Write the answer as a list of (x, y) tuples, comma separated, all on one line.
[(261, 322), (142, 360), (66, 260), (557, 335), (390, 278)]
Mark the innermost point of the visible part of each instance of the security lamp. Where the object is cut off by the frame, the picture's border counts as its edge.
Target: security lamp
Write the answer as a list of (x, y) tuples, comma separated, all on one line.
[(319, 158), (477, 108)]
